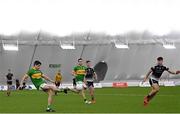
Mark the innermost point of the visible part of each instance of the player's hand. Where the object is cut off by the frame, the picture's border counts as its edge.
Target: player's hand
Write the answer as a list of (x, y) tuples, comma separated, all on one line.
[(85, 82), (143, 81), (177, 72)]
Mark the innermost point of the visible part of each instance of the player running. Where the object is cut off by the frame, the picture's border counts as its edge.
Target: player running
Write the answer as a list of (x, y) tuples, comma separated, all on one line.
[(9, 77), (89, 80), (156, 73), (37, 77), (79, 74)]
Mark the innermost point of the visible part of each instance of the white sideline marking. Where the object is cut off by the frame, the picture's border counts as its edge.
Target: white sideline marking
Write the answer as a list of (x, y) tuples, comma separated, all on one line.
[(129, 95)]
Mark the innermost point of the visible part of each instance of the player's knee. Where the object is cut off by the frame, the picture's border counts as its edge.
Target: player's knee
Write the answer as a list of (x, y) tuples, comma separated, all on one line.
[(51, 92), (157, 89), (91, 93)]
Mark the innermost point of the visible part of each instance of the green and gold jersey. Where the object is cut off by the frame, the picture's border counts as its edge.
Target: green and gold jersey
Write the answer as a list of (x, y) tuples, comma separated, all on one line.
[(80, 72), (36, 77)]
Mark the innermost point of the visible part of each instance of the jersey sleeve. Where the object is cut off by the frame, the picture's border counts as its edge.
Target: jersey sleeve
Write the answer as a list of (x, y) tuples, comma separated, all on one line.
[(167, 69), (152, 68), (42, 73), (75, 68)]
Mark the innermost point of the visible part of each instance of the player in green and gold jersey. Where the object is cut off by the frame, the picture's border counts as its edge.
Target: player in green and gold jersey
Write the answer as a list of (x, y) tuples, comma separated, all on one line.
[(37, 78), (79, 73)]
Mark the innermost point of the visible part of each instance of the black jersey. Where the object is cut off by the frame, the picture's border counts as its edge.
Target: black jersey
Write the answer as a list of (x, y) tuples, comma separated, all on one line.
[(89, 74), (9, 76), (158, 70)]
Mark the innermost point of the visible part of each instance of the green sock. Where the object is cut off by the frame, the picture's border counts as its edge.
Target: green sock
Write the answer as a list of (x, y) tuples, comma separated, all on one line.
[(92, 97), (49, 106)]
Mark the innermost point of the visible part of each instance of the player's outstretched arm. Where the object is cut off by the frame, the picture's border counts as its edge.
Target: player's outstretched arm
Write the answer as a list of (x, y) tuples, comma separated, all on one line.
[(47, 78), (172, 72), (24, 78), (147, 75)]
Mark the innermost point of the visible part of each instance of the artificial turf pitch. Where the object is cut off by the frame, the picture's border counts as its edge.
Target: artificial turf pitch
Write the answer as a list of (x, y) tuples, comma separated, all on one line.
[(109, 100)]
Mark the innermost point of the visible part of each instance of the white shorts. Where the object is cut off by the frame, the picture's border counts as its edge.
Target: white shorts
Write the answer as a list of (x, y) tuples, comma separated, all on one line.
[(80, 85), (41, 87)]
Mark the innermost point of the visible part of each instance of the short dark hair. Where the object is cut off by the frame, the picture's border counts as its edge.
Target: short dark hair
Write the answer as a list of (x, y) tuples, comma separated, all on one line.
[(88, 61), (37, 63), (80, 59), (160, 58)]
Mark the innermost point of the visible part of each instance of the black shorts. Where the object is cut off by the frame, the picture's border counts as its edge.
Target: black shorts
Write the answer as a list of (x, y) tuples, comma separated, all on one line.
[(9, 82), (57, 84), (74, 82), (17, 86), (152, 81), (90, 84)]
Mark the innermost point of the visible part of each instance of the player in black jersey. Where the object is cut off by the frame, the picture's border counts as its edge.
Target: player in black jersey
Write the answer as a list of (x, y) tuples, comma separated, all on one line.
[(89, 79), (156, 73), (9, 78)]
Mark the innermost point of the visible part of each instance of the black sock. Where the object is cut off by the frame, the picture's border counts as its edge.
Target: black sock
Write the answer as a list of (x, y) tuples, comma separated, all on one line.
[(8, 93), (85, 99), (92, 97), (148, 96)]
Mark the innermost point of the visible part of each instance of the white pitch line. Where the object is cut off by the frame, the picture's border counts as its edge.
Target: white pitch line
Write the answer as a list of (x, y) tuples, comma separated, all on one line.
[(128, 95)]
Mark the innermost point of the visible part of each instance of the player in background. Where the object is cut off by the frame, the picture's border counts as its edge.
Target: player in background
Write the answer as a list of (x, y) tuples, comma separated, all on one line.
[(89, 80), (17, 84), (79, 72), (37, 78), (154, 75), (58, 78), (9, 78)]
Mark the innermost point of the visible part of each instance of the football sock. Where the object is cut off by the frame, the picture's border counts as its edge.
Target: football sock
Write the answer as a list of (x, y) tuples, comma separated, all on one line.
[(92, 97), (49, 107)]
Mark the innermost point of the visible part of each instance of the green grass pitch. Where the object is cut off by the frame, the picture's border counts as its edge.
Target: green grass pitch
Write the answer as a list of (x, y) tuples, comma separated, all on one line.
[(109, 100)]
